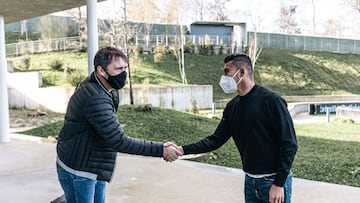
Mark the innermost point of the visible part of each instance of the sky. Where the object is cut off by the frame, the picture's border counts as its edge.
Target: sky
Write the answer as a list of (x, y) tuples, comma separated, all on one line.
[(265, 13)]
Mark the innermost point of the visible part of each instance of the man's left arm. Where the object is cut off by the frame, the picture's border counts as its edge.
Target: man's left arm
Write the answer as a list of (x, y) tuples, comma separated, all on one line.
[(287, 140)]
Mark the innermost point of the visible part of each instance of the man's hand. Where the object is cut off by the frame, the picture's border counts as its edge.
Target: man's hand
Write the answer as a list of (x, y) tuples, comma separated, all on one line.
[(171, 151), (276, 194)]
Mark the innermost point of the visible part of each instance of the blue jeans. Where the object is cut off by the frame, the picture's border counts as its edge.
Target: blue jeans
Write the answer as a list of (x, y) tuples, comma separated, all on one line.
[(81, 190), (257, 189)]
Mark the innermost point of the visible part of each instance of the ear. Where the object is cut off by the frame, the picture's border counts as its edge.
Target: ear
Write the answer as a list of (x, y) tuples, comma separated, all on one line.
[(101, 71), (242, 71)]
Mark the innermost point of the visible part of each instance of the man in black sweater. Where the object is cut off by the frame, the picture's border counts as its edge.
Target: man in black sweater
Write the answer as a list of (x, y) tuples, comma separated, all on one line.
[(259, 122)]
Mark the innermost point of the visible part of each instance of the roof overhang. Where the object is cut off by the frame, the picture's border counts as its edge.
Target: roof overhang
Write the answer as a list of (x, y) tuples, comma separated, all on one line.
[(17, 10), (220, 23)]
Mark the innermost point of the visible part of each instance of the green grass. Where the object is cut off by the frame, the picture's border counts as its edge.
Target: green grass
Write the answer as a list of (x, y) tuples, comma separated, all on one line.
[(42, 62), (284, 71), (327, 152)]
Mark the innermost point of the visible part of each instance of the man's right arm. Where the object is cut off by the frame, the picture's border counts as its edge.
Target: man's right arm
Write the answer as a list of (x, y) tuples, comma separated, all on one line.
[(99, 112)]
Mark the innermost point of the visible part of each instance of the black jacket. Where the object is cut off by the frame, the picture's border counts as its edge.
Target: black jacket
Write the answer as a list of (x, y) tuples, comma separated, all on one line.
[(92, 135), (262, 130)]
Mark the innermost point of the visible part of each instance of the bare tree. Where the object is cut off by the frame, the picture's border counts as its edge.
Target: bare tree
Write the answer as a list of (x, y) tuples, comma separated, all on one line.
[(50, 28), (332, 27), (113, 28), (120, 32), (174, 11), (127, 50), (179, 54), (79, 16), (199, 9), (353, 3), (218, 7), (313, 17), (254, 47), (287, 20), (143, 11)]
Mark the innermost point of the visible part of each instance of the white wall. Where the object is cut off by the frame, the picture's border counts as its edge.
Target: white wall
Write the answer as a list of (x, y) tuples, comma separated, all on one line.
[(24, 92)]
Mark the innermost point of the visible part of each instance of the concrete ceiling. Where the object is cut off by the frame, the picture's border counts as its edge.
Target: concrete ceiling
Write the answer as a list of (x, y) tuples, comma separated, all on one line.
[(17, 10)]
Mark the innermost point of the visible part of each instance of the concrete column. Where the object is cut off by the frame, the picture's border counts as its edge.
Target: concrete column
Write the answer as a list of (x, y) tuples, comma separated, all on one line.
[(4, 103), (92, 30)]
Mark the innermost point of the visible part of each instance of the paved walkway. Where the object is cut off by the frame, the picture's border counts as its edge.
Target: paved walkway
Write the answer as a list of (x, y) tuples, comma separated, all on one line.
[(27, 174)]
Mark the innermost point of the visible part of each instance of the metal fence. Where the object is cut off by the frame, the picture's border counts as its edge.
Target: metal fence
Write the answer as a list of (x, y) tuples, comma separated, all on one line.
[(39, 46), (75, 43), (308, 43), (281, 41)]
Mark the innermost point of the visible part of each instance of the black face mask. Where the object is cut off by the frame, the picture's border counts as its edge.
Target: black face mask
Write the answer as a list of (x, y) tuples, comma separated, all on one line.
[(117, 81)]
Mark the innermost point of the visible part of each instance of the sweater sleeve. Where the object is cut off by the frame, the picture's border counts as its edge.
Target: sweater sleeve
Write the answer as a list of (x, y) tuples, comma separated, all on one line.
[(212, 142), (100, 114), (284, 128)]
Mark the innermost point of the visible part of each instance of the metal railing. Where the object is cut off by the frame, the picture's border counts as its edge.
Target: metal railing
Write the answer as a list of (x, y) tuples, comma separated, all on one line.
[(76, 43), (282, 41), (308, 43)]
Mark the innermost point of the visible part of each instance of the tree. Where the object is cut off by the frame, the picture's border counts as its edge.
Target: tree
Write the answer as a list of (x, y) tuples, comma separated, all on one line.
[(120, 32), (113, 28), (50, 28), (353, 3), (127, 51), (202, 10), (143, 11), (219, 9), (313, 18), (179, 54), (287, 20), (79, 16), (254, 48), (332, 27), (174, 11), (199, 9)]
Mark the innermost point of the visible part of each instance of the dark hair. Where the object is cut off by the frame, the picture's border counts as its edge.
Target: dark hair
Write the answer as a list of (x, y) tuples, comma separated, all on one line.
[(240, 60), (104, 56)]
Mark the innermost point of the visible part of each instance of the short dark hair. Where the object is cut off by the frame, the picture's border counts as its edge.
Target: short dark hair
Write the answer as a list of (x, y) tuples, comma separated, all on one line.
[(240, 60), (104, 56)]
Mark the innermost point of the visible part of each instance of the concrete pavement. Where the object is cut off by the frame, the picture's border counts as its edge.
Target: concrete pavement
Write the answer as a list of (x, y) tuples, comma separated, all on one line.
[(27, 174)]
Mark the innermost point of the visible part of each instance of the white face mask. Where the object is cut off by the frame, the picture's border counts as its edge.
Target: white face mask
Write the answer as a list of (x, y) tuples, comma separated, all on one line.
[(228, 84)]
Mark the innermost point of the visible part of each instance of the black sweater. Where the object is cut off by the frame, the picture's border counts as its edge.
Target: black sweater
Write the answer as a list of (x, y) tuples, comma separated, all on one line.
[(262, 129), (92, 135)]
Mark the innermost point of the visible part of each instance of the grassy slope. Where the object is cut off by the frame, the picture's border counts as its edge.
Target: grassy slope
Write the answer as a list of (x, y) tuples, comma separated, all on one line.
[(286, 72)]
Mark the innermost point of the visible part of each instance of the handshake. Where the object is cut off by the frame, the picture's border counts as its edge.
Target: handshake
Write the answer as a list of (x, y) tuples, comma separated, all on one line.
[(172, 151)]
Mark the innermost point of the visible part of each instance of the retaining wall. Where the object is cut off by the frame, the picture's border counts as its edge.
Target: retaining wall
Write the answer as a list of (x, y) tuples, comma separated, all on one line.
[(24, 92), (350, 113)]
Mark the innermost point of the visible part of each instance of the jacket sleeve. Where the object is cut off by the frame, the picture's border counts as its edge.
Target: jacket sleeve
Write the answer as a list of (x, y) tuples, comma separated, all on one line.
[(284, 128), (100, 114), (212, 142)]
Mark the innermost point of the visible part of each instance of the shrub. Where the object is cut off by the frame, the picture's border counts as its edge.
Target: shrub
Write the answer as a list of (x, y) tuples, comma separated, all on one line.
[(75, 77), (193, 106), (56, 64), (159, 52), (26, 62)]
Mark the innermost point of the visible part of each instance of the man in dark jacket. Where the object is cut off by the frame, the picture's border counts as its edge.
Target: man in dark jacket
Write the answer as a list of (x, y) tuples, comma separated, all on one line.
[(91, 136), (259, 122)]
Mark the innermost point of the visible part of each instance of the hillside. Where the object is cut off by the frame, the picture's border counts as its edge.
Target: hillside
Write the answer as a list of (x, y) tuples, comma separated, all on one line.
[(284, 71)]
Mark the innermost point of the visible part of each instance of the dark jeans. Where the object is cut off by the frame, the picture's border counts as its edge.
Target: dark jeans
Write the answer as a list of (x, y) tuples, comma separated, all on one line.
[(81, 190), (257, 189)]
